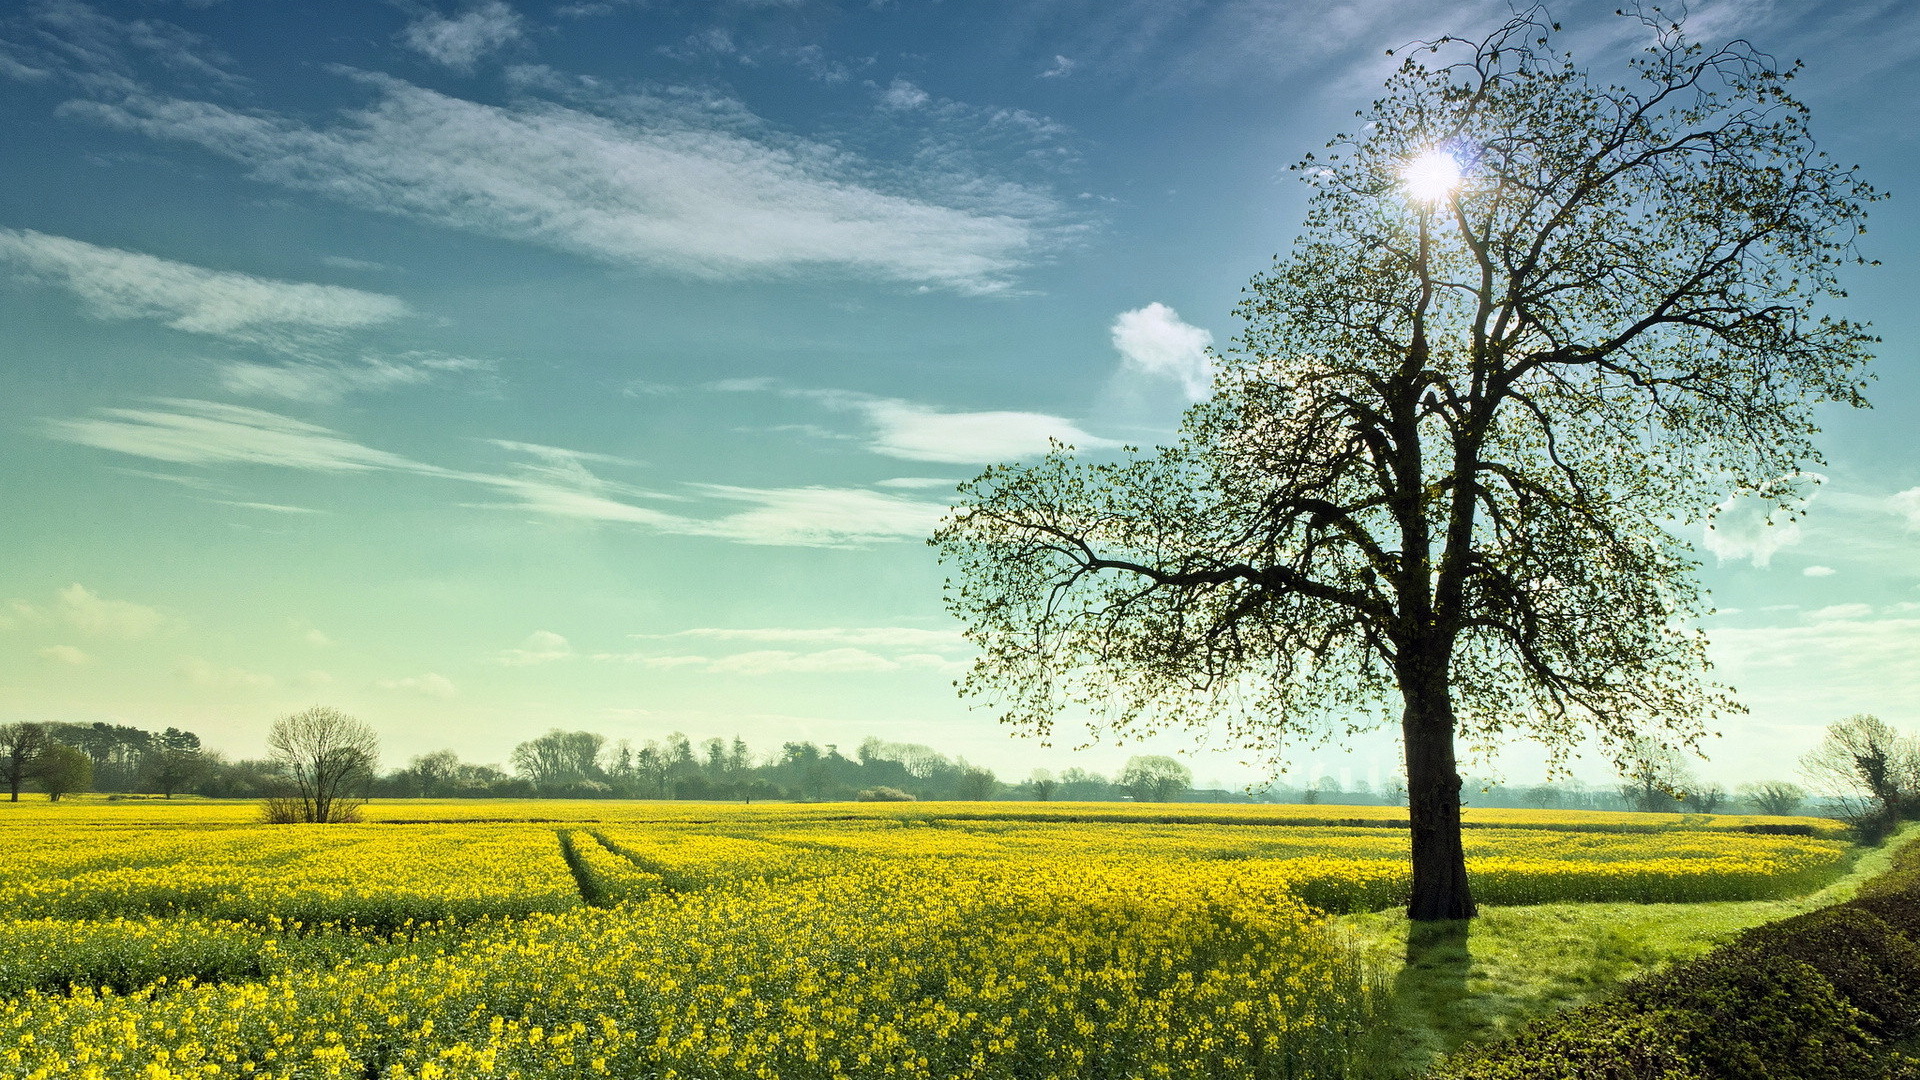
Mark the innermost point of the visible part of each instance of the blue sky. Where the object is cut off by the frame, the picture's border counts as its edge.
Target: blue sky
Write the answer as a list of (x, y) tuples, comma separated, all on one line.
[(482, 368)]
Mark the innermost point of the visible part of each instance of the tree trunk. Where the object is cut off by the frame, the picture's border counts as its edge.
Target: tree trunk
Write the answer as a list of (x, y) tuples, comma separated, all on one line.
[(1440, 888)]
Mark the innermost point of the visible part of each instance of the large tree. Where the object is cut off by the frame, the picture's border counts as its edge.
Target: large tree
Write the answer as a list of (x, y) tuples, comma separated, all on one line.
[(1535, 323)]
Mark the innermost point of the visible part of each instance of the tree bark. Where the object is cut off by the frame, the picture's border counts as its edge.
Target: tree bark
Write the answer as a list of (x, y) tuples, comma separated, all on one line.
[(1440, 888)]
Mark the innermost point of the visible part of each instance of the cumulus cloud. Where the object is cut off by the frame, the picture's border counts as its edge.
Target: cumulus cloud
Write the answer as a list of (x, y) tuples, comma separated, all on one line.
[(697, 188), (1907, 505), (1061, 68), (87, 610), (117, 284), (541, 647), (459, 41), (1840, 613), (428, 685), (1819, 571), (1153, 341), (1753, 527), (63, 654), (901, 94)]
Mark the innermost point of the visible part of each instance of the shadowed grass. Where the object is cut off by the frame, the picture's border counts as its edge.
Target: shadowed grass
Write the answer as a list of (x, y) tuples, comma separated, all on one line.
[(1461, 983)]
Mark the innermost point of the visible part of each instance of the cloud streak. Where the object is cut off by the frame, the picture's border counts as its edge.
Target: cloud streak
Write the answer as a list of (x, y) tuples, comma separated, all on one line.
[(557, 483), (693, 188), (117, 284)]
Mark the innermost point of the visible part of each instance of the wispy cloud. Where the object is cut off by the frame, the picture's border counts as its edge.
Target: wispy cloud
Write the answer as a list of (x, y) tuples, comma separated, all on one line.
[(459, 41), (431, 685), (1753, 527), (204, 673), (1153, 341), (556, 483), (329, 380), (81, 607), (117, 284), (63, 654), (698, 188), (823, 650), (918, 432)]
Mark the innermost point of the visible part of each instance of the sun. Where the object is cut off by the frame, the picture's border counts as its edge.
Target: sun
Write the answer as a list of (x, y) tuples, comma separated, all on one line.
[(1432, 177)]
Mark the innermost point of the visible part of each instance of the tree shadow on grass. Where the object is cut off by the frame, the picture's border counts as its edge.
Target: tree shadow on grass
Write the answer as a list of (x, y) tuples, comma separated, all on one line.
[(1435, 1012)]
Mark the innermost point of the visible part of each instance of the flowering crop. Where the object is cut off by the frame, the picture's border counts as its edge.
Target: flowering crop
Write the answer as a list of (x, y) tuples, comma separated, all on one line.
[(803, 943)]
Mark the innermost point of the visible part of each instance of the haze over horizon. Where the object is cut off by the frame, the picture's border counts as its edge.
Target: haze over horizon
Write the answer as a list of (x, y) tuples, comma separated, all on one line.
[(489, 367)]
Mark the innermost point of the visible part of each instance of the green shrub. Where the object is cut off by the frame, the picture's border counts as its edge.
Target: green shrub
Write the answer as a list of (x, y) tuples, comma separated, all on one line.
[(1869, 963)]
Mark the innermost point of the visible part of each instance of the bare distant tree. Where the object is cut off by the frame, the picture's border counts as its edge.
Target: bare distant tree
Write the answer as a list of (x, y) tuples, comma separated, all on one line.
[(20, 744), (1043, 784), (1777, 797), (1654, 776), (327, 760), (1873, 770)]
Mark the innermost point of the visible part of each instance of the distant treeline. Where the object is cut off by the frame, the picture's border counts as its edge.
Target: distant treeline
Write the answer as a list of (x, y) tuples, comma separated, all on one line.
[(584, 764)]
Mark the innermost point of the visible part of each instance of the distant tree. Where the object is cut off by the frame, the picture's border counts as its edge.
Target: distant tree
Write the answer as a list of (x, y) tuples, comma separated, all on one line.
[(431, 774), (62, 770), (1654, 776), (559, 761), (975, 784), (1043, 784), (1704, 798), (1155, 778), (326, 761), (1534, 318), (1776, 797), (173, 761), (1871, 769), (20, 746)]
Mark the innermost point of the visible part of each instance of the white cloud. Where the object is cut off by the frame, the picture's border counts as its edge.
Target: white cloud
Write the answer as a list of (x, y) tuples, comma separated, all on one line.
[(1840, 613), (698, 188), (327, 381), (901, 94), (81, 607), (428, 685), (1753, 527), (1907, 505), (117, 284), (461, 40), (207, 433), (63, 654), (869, 637), (790, 662), (823, 516), (1819, 671), (1153, 341), (541, 647), (1062, 67), (559, 484), (317, 639), (1819, 571), (916, 432), (214, 676)]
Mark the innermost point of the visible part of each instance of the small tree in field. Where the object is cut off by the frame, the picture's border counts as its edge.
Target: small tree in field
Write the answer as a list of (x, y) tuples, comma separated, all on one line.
[(1155, 778), (1534, 322), (326, 759), (20, 747), (62, 770)]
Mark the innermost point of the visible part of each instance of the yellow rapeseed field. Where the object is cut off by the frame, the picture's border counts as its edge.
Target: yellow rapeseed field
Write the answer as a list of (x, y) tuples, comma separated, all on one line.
[(684, 941)]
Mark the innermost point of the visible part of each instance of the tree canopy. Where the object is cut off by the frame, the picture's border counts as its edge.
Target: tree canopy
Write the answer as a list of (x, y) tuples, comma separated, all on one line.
[(1535, 323)]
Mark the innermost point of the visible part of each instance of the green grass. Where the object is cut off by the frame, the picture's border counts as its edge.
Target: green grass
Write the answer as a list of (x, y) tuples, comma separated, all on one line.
[(1467, 982)]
